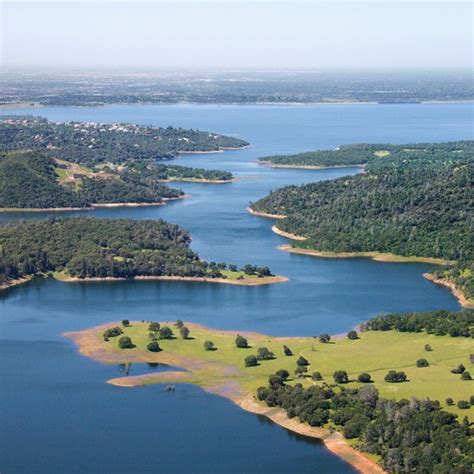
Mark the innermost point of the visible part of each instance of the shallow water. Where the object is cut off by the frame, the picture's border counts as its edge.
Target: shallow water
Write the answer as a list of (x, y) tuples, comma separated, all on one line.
[(58, 414)]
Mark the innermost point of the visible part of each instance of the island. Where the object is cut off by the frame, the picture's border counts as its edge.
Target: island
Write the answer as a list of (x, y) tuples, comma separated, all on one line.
[(363, 407), (412, 203), (88, 249)]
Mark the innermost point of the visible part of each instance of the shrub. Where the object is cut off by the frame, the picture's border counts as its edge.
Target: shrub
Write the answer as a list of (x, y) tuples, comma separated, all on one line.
[(184, 332), (364, 377), (317, 376), (464, 404), (179, 324), (251, 361), (395, 377), (459, 369), (209, 346), (153, 346), (340, 376), (125, 323), (125, 343), (112, 332), (471, 400), (449, 401), (264, 354), (275, 380), (422, 363), (428, 348), (352, 335), (466, 375), (241, 342), (301, 369), (154, 327), (165, 332), (284, 374), (302, 361), (324, 338), (287, 351)]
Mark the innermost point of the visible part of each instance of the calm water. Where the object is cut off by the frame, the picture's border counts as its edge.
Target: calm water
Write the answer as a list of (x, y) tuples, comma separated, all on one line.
[(59, 416)]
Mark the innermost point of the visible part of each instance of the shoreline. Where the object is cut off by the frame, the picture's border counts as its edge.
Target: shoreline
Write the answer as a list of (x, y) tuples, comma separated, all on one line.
[(458, 293), (93, 206), (198, 180), (16, 282), (306, 167), (243, 282), (265, 214), (288, 235), (377, 256), (89, 344)]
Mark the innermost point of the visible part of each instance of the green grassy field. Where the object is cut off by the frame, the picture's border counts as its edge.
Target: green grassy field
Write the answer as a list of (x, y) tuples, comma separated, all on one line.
[(375, 353)]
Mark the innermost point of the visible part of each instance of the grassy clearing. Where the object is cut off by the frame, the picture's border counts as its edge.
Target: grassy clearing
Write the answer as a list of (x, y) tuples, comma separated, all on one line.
[(375, 353), (237, 275), (382, 153)]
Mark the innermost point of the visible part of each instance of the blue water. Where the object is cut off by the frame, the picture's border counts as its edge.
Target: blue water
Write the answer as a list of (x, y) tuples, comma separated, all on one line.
[(58, 415)]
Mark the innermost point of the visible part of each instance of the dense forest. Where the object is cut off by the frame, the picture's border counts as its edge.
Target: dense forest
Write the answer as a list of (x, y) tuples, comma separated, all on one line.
[(415, 201), (94, 143), (439, 323), (408, 435), (99, 248), (32, 180)]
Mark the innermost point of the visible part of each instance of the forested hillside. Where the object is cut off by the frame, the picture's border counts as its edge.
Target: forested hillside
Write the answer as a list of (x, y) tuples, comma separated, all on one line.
[(85, 247), (413, 202), (94, 143), (34, 180)]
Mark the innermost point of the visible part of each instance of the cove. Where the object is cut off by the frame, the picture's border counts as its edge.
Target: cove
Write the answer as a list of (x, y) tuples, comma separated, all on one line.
[(57, 412)]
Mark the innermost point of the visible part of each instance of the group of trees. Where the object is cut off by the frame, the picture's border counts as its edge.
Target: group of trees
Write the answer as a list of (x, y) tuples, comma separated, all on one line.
[(439, 323), (409, 436), (413, 200), (94, 143)]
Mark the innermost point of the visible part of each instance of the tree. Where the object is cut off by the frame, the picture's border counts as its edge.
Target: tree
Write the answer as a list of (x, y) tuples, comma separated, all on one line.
[(459, 369), (153, 346), (112, 332), (179, 324), (364, 377), (184, 332), (166, 332), (352, 335), (264, 354), (251, 361), (301, 370), (284, 374), (125, 343), (466, 375), (125, 323), (264, 272), (287, 351), (153, 326), (241, 342), (301, 361), (249, 269), (428, 348), (449, 401), (317, 376), (275, 380), (340, 376), (324, 338), (395, 377), (464, 404), (422, 363), (232, 267), (209, 346)]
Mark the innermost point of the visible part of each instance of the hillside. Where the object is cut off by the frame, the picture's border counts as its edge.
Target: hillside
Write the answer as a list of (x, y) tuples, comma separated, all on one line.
[(416, 201), (95, 143)]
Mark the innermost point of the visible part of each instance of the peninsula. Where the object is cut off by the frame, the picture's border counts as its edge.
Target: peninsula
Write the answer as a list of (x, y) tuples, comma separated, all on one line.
[(424, 350)]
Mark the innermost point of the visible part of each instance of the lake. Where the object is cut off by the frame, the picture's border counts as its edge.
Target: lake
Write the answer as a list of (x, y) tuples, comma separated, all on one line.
[(58, 415)]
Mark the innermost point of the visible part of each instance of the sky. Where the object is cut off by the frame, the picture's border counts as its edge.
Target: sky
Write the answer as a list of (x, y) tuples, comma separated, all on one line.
[(219, 35)]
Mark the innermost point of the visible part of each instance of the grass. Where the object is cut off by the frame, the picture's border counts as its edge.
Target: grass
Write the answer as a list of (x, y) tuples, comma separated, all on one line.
[(375, 352), (237, 275), (382, 153)]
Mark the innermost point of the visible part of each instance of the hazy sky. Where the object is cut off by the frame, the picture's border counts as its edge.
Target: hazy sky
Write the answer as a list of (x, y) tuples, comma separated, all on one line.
[(236, 34)]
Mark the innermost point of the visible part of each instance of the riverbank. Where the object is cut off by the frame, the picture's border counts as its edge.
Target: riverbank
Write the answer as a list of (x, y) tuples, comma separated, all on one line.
[(461, 297), (377, 256), (288, 235), (306, 167), (15, 282), (265, 214), (246, 281)]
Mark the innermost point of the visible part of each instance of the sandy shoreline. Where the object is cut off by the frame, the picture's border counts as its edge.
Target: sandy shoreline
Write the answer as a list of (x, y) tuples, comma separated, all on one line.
[(16, 282), (377, 256), (306, 167), (225, 281), (265, 214), (461, 297), (288, 235), (90, 345)]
